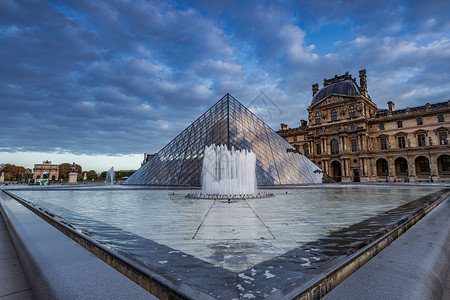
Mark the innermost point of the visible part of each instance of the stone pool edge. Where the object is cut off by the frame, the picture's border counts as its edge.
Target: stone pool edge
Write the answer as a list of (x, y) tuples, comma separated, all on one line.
[(322, 285)]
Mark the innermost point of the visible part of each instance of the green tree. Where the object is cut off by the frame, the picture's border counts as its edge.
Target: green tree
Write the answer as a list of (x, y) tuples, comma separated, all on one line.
[(14, 172), (64, 170), (92, 175), (7, 177), (28, 173)]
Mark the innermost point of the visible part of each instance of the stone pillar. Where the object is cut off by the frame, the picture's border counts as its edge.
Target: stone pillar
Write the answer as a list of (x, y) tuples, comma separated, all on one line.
[(373, 169), (73, 178), (365, 172), (412, 170), (345, 170), (391, 168), (433, 168)]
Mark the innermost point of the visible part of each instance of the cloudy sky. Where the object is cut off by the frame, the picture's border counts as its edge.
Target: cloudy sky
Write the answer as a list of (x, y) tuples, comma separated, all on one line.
[(102, 82)]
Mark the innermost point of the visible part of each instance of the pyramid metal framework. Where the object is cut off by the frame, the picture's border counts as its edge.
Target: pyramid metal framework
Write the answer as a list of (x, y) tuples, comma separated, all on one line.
[(230, 123)]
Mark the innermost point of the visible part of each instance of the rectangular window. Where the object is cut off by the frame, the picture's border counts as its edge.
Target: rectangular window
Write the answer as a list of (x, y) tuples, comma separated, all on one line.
[(443, 138), (399, 124), (318, 149), (419, 121), (401, 142), (354, 145), (295, 138), (381, 126), (421, 140), (383, 143)]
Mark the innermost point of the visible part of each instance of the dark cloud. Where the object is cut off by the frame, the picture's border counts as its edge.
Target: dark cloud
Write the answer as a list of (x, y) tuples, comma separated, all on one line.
[(102, 77)]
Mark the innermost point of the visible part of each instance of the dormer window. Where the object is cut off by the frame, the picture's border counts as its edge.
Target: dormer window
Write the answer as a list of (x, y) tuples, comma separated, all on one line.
[(317, 118), (351, 111), (333, 115)]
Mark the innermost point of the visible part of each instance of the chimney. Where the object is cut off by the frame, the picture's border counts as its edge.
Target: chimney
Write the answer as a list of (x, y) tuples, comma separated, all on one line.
[(363, 82), (303, 123), (391, 106), (315, 88), (283, 126)]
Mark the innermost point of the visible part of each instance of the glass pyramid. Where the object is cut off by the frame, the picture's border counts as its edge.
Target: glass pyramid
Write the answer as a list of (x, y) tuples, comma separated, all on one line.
[(230, 123)]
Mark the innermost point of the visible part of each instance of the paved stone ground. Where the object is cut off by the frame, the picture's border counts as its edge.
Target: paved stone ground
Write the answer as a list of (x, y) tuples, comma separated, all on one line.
[(13, 283), (446, 295)]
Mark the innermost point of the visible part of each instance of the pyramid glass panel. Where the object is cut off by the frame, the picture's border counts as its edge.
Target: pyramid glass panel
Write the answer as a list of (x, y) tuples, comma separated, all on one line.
[(230, 123)]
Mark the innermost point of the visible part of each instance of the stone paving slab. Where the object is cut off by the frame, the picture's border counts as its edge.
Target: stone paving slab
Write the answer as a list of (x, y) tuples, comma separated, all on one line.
[(13, 283)]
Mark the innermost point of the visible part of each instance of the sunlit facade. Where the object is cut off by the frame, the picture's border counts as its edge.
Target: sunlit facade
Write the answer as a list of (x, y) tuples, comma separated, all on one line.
[(229, 123), (353, 140)]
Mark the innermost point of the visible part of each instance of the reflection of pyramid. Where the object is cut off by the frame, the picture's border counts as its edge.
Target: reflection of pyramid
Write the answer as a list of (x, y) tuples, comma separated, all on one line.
[(229, 123)]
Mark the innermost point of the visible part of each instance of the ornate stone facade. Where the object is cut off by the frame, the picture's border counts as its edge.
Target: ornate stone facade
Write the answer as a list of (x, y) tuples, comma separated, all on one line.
[(352, 140), (46, 170)]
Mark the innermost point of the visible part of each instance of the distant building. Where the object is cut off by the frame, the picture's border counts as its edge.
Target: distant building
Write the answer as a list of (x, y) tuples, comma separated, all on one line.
[(147, 157), (46, 170), (352, 140)]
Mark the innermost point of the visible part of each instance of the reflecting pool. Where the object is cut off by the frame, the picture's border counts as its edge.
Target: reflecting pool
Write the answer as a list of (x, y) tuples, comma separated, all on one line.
[(254, 246)]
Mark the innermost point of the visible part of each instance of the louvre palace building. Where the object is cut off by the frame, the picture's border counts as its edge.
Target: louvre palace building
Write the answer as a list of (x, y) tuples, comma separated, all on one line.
[(351, 139)]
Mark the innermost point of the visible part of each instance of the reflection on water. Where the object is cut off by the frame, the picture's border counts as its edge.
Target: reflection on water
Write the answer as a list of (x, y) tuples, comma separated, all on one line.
[(297, 231), (168, 217)]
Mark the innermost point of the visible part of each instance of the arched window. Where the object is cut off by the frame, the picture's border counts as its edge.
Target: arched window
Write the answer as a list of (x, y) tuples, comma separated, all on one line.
[(333, 115), (382, 167), (351, 111), (422, 165), (334, 146), (317, 118)]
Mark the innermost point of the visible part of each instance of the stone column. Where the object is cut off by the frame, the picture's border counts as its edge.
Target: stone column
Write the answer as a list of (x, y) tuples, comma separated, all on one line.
[(391, 168), (433, 168), (412, 169), (373, 169), (345, 170)]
